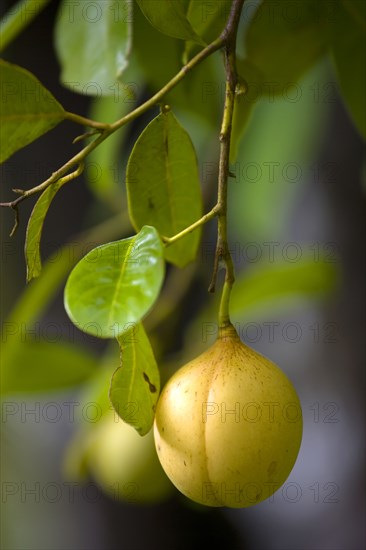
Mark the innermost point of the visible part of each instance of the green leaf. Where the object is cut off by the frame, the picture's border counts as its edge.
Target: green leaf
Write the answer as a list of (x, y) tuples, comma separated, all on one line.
[(27, 109), (169, 17), (163, 185), (348, 46), (34, 231), (45, 366), (284, 39), (93, 42), (135, 385), (116, 284)]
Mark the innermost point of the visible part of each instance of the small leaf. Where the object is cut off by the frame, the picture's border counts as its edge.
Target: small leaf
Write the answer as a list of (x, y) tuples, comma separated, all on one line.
[(283, 42), (163, 185), (135, 385), (169, 17), (34, 231), (27, 109), (347, 40), (93, 42), (45, 366), (116, 284)]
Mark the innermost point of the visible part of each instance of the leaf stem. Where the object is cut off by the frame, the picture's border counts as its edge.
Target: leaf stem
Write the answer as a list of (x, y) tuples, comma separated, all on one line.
[(205, 218)]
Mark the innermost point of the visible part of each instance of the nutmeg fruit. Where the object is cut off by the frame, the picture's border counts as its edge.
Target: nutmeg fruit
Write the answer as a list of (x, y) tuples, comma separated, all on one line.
[(228, 425)]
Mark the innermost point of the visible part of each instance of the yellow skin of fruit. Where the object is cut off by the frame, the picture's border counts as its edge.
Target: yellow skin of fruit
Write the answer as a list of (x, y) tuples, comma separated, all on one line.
[(228, 425)]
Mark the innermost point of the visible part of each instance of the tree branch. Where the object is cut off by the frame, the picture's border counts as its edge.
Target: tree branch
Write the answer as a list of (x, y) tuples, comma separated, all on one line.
[(107, 129), (227, 39)]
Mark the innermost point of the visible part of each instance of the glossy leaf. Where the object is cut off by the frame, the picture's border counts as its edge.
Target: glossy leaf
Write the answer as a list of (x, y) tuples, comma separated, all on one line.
[(45, 366), (116, 284), (135, 385), (27, 109), (284, 39), (169, 17), (163, 185), (348, 44), (93, 42), (34, 231)]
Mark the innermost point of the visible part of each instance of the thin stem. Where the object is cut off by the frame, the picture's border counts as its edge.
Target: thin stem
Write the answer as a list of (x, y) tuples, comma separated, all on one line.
[(76, 159), (156, 98), (17, 18), (59, 182), (222, 248), (224, 314), (207, 217), (227, 39)]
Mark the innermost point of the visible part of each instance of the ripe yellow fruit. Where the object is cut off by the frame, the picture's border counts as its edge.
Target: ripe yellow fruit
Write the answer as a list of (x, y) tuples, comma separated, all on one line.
[(228, 425)]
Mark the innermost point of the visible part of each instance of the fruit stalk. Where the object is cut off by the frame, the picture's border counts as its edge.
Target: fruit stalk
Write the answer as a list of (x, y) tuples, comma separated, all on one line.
[(222, 253)]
